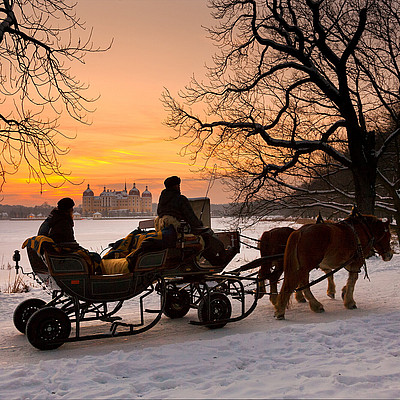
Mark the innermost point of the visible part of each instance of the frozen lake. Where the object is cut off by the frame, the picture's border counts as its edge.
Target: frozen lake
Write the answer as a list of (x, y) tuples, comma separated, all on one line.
[(95, 235)]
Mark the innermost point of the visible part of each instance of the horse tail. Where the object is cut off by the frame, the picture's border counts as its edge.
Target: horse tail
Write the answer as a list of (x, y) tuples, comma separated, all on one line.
[(265, 266), (291, 264)]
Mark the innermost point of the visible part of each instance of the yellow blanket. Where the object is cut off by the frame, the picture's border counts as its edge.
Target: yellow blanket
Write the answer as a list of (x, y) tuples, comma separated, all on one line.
[(36, 243)]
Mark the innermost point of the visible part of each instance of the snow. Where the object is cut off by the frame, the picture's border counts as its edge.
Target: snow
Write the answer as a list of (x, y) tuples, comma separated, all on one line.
[(337, 354)]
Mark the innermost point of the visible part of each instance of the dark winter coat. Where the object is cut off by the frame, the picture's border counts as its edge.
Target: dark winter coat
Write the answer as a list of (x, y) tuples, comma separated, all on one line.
[(58, 226), (173, 203)]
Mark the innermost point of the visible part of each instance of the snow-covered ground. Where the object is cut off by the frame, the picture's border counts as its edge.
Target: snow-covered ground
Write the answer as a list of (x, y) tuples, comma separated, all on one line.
[(338, 354)]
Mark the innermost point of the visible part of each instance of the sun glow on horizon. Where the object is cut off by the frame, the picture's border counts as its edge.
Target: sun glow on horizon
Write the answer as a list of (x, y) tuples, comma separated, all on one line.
[(127, 141)]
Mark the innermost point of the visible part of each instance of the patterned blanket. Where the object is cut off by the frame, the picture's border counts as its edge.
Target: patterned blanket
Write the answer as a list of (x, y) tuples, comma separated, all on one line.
[(136, 240), (37, 243)]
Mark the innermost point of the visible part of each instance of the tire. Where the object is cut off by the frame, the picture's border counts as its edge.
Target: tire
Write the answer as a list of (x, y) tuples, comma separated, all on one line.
[(48, 328), (177, 303), (213, 308), (24, 310)]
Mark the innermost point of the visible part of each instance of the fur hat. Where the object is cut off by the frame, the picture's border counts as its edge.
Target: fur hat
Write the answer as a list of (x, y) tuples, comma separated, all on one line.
[(172, 181), (65, 204)]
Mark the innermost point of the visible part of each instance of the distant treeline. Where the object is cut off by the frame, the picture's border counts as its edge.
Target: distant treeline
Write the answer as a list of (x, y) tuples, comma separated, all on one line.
[(19, 211)]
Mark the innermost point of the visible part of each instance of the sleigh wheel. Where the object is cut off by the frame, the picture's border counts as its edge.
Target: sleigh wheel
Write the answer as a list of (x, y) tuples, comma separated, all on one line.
[(213, 308), (24, 310), (177, 303), (48, 328)]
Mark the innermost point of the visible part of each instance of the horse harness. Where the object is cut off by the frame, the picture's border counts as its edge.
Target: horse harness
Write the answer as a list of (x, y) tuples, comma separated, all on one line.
[(359, 254)]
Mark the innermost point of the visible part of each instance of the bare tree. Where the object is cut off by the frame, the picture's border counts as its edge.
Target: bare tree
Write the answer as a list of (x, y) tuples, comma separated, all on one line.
[(39, 39), (294, 82)]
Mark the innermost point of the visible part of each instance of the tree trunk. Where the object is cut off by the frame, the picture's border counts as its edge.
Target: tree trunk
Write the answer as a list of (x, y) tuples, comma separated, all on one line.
[(364, 184), (362, 150)]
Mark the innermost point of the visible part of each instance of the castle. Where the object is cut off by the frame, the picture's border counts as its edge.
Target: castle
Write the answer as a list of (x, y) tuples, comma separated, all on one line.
[(116, 203)]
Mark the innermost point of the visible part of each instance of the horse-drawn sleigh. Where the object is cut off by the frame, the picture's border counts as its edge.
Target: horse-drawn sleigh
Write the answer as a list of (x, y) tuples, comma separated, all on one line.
[(180, 279)]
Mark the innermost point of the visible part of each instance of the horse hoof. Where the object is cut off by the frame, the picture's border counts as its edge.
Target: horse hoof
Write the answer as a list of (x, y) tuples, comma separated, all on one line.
[(280, 317), (318, 309), (331, 295)]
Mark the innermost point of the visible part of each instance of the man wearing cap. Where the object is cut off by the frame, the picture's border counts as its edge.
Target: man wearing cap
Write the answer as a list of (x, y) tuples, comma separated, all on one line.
[(59, 225), (174, 207), (173, 203)]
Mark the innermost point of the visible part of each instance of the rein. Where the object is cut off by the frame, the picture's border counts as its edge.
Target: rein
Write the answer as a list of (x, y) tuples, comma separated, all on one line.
[(248, 237), (249, 245)]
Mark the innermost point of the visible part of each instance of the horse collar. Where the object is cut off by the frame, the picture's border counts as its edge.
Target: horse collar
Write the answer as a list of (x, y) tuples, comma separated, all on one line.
[(359, 254)]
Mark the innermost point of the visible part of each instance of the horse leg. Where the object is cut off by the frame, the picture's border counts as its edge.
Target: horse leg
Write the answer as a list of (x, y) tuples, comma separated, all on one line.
[(263, 272), (299, 296), (274, 279), (331, 291), (314, 304), (273, 292), (348, 290), (282, 300), (261, 288)]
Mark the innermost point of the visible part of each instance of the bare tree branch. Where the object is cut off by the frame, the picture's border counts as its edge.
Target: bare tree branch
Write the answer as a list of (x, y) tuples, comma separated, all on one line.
[(294, 83), (37, 48)]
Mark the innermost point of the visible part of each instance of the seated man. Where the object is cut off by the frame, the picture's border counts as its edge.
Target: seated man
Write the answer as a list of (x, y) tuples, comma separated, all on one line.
[(174, 207), (174, 204)]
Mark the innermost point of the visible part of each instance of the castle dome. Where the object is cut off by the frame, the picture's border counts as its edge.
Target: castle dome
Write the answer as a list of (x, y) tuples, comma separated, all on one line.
[(146, 193), (88, 192), (134, 191)]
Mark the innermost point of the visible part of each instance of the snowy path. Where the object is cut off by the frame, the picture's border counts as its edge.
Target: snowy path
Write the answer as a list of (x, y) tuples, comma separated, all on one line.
[(338, 354)]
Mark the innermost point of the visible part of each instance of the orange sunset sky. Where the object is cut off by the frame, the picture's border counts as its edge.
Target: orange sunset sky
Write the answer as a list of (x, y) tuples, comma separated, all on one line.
[(156, 44)]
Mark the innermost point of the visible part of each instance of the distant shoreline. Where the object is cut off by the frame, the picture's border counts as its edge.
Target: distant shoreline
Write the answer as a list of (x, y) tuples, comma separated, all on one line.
[(82, 218)]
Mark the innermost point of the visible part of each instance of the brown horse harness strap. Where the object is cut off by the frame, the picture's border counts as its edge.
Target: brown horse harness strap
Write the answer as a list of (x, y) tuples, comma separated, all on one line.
[(360, 252), (249, 245)]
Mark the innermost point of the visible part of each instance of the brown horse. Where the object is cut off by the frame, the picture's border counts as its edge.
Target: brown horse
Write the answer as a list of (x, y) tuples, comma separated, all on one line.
[(330, 245), (273, 242)]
